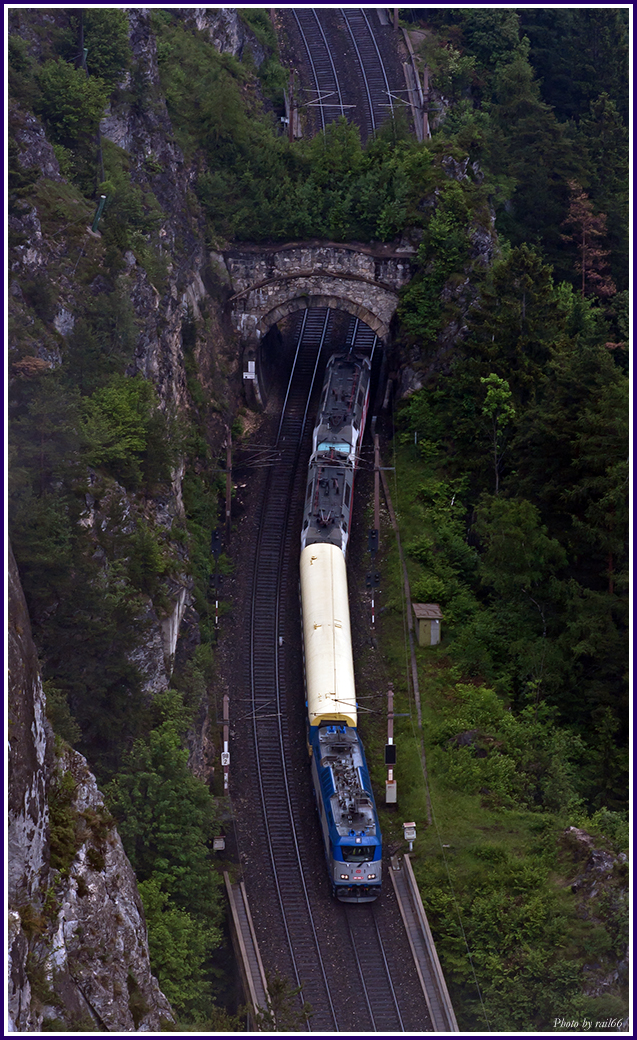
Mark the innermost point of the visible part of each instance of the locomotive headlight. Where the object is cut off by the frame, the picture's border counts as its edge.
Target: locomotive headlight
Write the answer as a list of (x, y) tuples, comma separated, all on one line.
[(345, 877), (371, 877)]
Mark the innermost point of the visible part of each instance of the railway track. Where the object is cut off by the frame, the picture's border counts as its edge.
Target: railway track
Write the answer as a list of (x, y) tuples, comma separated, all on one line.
[(328, 101), (346, 62), (376, 981), (354, 963), (270, 729), (370, 64), (309, 938)]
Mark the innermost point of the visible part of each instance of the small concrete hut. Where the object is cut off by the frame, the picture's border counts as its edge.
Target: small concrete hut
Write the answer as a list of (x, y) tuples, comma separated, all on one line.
[(428, 618)]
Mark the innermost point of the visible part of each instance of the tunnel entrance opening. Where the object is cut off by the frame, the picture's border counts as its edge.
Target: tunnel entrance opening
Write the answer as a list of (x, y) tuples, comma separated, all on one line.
[(278, 347), (270, 284)]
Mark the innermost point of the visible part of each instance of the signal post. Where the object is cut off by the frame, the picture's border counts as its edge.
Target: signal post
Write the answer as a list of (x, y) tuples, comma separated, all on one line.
[(390, 750)]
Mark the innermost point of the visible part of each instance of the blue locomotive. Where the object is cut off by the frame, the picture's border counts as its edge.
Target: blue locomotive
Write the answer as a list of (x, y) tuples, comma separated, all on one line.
[(342, 786), (349, 822)]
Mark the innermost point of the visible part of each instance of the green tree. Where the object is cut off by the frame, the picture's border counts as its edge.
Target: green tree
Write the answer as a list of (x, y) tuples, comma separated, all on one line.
[(167, 821), (88, 642), (510, 329), (523, 569), (46, 444), (179, 947), (608, 772), (491, 34), (117, 424), (70, 103), (166, 818), (603, 138), (20, 182), (106, 37), (103, 34), (101, 343), (531, 147), (577, 54), (580, 379), (599, 494), (499, 412), (444, 251), (519, 555), (569, 456), (43, 540)]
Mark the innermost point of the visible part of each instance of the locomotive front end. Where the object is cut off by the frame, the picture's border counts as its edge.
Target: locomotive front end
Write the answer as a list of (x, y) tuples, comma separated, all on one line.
[(357, 868), (349, 821)]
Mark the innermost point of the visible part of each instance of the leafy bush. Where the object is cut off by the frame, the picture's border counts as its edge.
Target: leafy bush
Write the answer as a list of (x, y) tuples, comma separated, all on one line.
[(126, 433), (443, 252), (59, 714), (179, 947), (70, 103), (64, 831), (166, 819), (106, 37), (147, 563), (102, 341), (517, 760), (258, 20)]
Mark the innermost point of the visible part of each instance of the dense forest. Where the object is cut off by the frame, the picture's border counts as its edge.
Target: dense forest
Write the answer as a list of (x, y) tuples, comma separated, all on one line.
[(515, 447)]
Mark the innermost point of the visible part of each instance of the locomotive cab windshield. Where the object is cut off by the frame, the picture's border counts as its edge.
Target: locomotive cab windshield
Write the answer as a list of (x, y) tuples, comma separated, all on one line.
[(358, 853), (342, 447)]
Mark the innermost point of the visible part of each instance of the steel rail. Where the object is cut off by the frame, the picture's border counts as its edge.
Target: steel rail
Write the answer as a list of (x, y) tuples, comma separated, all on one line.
[(329, 54), (389, 976), (291, 379), (315, 73), (361, 973), (362, 68), (375, 975), (366, 72), (280, 813), (380, 60)]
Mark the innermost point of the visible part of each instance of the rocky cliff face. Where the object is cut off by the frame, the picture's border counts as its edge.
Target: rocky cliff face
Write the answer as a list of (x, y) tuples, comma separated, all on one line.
[(77, 942), (226, 31), (78, 949), (30, 753), (143, 130)]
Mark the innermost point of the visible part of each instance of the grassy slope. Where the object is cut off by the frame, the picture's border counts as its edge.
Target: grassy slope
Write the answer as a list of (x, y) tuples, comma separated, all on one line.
[(517, 945)]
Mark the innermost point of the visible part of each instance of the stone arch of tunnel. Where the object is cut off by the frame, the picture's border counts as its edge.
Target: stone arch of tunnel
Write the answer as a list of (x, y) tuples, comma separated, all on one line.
[(298, 303), (272, 282), (264, 361), (256, 381)]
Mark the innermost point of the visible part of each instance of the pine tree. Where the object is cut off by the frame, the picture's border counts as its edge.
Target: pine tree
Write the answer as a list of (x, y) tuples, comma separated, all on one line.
[(588, 229), (603, 139)]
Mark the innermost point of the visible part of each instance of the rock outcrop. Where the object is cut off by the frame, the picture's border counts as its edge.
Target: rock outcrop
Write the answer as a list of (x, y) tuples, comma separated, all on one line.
[(599, 879), (226, 31), (77, 940), (30, 753)]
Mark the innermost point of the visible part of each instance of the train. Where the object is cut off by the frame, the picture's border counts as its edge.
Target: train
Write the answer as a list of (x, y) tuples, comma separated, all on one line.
[(336, 439), (342, 786)]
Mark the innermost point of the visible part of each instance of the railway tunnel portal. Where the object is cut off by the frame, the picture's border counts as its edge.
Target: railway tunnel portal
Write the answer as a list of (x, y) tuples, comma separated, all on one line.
[(268, 283)]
